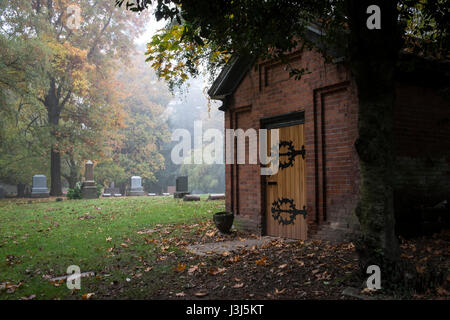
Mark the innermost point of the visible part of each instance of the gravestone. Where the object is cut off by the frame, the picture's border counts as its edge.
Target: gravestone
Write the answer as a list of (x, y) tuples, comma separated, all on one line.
[(2, 193), (136, 187), (181, 187), (89, 188), (111, 191), (39, 189)]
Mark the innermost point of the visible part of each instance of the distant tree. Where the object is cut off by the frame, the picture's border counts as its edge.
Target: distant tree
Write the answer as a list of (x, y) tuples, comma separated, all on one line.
[(108, 171), (78, 59), (136, 147), (204, 178), (23, 131)]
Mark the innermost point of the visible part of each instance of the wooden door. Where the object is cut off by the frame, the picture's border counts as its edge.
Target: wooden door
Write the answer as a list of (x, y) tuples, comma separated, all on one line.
[(285, 190)]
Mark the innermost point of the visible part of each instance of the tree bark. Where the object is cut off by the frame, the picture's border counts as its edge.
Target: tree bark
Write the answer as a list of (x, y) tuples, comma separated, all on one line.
[(373, 56), (54, 108), (20, 190), (55, 170)]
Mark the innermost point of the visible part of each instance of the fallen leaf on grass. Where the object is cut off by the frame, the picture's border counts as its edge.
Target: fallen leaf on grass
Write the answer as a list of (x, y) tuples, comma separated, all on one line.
[(238, 285), (148, 269), (201, 294), (216, 271), (180, 268), (108, 239), (57, 283), (180, 294), (87, 296), (299, 262), (9, 287), (225, 254), (148, 241), (28, 298), (235, 259), (283, 266), (263, 262), (279, 291), (367, 291), (192, 269)]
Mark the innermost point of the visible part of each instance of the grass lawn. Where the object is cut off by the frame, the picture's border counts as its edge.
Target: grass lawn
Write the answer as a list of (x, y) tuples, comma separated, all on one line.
[(40, 240), (136, 246)]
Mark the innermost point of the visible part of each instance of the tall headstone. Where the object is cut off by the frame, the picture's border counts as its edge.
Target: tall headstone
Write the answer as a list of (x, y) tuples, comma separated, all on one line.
[(39, 189), (136, 187), (181, 187), (89, 188)]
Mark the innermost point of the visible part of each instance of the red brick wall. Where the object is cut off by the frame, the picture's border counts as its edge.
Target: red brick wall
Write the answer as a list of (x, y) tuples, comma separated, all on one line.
[(327, 97)]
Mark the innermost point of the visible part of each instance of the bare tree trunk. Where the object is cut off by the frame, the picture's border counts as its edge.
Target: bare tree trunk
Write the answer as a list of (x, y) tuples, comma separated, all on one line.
[(20, 190), (55, 170), (373, 56), (54, 110)]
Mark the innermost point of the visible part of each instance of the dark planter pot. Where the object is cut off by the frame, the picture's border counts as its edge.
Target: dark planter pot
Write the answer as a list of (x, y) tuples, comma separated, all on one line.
[(223, 221)]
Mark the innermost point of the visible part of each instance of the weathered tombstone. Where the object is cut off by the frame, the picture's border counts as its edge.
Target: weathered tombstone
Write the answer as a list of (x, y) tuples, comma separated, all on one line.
[(39, 189), (89, 188), (216, 196), (152, 194), (2, 193), (181, 187), (111, 191), (191, 197), (136, 187)]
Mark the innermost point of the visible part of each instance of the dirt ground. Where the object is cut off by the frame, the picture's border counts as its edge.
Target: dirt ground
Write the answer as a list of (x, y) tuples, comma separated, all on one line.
[(292, 270)]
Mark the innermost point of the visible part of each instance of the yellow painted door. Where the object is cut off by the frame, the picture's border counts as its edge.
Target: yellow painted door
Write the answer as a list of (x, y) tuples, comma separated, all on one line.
[(285, 190)]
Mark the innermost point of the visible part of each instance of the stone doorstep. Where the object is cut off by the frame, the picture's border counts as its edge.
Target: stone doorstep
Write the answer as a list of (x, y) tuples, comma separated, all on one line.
[(230, 246)]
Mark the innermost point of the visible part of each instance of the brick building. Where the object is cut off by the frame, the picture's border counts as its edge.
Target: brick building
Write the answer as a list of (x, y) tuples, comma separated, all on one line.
[(323, 104)]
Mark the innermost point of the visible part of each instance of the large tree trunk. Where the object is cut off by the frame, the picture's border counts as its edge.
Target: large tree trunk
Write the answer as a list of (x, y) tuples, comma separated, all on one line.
[(55, 170), (373, 56), (53, 111), (20, 190)]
